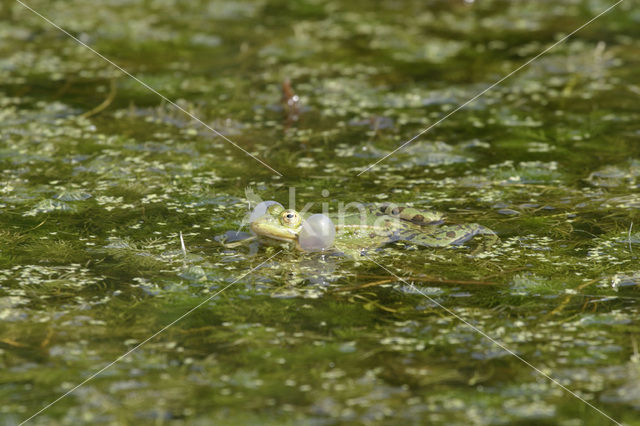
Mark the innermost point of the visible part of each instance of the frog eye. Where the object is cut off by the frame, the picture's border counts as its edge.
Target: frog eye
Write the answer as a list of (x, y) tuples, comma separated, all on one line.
[(290, 218)]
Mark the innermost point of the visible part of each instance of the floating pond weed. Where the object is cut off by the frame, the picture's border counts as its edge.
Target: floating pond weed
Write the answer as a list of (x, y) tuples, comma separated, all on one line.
[(94, 196)]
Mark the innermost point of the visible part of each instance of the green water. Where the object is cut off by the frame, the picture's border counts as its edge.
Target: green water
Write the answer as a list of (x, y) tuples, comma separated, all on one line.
[(93, 199)]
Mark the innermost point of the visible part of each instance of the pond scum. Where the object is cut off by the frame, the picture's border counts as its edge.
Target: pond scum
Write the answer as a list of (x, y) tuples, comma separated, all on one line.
[(98, 178)]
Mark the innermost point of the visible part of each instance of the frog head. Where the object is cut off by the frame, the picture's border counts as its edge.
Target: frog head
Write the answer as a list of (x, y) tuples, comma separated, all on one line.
[(270, 220), (278, 224)]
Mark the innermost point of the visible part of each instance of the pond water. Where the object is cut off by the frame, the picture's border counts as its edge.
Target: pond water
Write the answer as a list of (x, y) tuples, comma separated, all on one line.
[(99, 177)]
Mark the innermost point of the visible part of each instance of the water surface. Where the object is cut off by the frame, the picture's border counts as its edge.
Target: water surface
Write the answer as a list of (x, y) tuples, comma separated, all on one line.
[(99, 176)]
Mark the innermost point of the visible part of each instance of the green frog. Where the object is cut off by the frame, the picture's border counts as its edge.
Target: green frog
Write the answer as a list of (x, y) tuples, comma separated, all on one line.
[(356, 232)]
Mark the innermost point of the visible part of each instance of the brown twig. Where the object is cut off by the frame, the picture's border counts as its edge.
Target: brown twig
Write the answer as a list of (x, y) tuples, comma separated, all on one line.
[(38, 225), (197, 329), (370, 284), (47, 339), (110, 97), (62, 90), (12, 342), (433, 280), (567, 299), (376, 304), (290, 102)]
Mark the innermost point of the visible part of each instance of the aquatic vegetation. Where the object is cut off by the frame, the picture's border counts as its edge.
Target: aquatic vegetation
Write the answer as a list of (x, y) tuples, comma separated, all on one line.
[(114, 206), (612, 176)]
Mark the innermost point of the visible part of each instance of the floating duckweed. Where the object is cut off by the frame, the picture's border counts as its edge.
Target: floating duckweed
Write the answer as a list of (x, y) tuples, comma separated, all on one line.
[(48, 206), (99, 178)]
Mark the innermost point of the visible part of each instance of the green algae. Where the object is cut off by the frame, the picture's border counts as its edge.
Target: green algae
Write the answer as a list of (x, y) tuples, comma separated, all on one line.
[(93, 209)]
